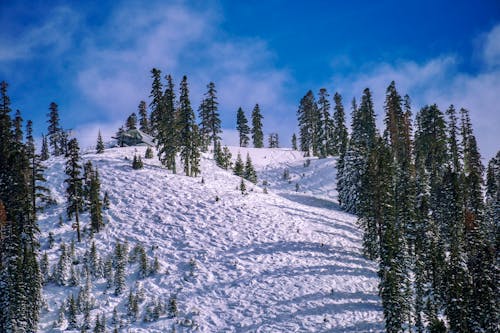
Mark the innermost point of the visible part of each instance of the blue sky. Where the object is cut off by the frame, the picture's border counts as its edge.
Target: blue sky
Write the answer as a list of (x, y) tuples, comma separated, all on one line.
[(93, 59)]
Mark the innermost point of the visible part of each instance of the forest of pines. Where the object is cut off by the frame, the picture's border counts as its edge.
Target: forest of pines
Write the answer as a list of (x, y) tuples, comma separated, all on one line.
[(429, 212)]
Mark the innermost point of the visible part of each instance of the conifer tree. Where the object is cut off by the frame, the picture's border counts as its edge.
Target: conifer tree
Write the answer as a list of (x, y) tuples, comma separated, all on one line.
[(324, 130), (166, 128), (72, 313), (137, 163), (242, 127), (157, 102), (100, 144), (239, 168), (119, 263), (257, 133), (54, 130), (74, 181), (143, 117), (95, 202), (294, 142), (188, 135), (131, 123), (339, 136), (210, 125), (44, 155), (249, 172), (149, 153), (308, 117), (18, 127), (273, 140)]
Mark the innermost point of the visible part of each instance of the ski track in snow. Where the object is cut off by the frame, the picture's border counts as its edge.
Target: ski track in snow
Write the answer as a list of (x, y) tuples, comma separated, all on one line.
[(286, 261)]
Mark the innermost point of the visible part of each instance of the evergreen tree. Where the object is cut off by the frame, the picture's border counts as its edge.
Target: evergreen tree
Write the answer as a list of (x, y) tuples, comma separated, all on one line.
[(166, 128), (239, 168), (157, 102), (210, 120), (55, 130), (324, 130), (339, 136), (18, 127), (273, 140), (188, 136), (100, 144), (257, 134), (119, 264), (72, 313), (243, 187), (249, 172), (74, 181), (149, 153), (143, 117), (222, 156), (44, 155), (137, 163), (242, 127), (308, 117), (105, 201), (294, 142), (96, 221), (119, 136), (131, 123)]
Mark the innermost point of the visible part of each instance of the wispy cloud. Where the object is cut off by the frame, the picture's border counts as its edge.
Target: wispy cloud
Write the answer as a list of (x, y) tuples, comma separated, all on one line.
[(52, 37), (440, 81)]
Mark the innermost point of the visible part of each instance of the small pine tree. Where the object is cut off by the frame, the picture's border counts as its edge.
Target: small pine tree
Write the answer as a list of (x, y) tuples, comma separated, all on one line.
[(243, 187), (137, 163), (131, 123), (294, 142), (172, 307), (249, 172), (119, 263), (100, 144), (44, 154), (273, 140), (239, 168), (72, 313), (143, 117), (149, 153), (257, 133), (242, 127), (105, 201)]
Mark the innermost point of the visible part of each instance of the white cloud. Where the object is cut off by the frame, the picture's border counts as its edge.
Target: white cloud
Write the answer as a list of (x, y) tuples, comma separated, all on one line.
[(52, 37), (439, 81)]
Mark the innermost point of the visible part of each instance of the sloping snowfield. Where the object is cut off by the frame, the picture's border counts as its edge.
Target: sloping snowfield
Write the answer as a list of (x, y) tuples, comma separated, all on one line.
[(285, 261)]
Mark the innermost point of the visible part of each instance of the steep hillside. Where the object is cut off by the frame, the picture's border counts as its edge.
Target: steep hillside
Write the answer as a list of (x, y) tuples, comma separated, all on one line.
[(285, 261)]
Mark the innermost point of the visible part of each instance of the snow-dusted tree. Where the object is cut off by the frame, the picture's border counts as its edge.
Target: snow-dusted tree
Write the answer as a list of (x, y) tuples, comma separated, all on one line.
[(257, 132), (54, 130), (340, 136), (274, 140), (74, 181), (96, 220), (308, 117), (143, 117), (242, 127), (137, 162), (249, 172), (100, 144), (239, 167), (157, 102), (166, 127), (44, 154), (149, 153), (324, 130), (119, 264)]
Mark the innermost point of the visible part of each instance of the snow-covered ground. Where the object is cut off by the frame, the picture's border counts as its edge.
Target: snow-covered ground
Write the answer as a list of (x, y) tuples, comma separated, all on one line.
[(285, 261)]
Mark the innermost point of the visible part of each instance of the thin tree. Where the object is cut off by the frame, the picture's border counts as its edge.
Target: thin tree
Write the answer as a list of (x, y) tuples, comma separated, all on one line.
[(74, 181), (257, 133), (242, 127)]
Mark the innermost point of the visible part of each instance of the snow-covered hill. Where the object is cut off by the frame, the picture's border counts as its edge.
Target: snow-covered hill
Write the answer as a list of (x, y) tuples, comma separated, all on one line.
[(285, 261)]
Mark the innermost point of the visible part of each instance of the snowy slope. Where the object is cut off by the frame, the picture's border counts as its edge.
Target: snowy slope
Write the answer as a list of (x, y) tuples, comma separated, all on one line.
[(286, 261)]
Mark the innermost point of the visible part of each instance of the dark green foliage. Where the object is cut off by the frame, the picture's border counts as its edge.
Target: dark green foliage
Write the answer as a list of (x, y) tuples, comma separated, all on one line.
[(274, 140), (72, 313), (249, 172), (172, 307), (210, 125), (149, 153), (239, 168), (243, 187), (324, 128), (257, 133), (74, 189), (188, 133), (131, 122), (132, 306), (119, 264), (308, 117), (96, 220), (157, 102), (222, 156), (18, 127), (137, 163), (105, 201), (119, 136), (340, 136), (143, 117), (100, 144), (54, 131), (44, 154), (165, 127), (294, 142), (242, 127)]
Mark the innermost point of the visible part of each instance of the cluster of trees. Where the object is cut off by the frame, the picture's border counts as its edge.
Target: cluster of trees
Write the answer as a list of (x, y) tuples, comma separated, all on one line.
[(244, 130), (21, 177), (321, 134), (418, 190)]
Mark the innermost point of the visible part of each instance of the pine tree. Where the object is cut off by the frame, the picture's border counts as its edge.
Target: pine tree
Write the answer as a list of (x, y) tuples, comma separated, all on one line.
[(72, 313), (242, 127), (100, 144), (74, 181), (249, 172), (188, 136), (143, 117), (119, 136), (131, 123), (243, 187), (44, 155), (105, 201), (166, 127), (137, 163), (257, 133), (149, 153), (96, 220), (239, 168), (273, 140), (308, 117), (119, 263), (324, 130), (210, 126), (294, 142), (54, 130), (340, 136), (157, 102), (18, 127)]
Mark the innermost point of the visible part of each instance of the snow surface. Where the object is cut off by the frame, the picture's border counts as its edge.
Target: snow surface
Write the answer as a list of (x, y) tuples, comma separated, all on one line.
[(286, 261)]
